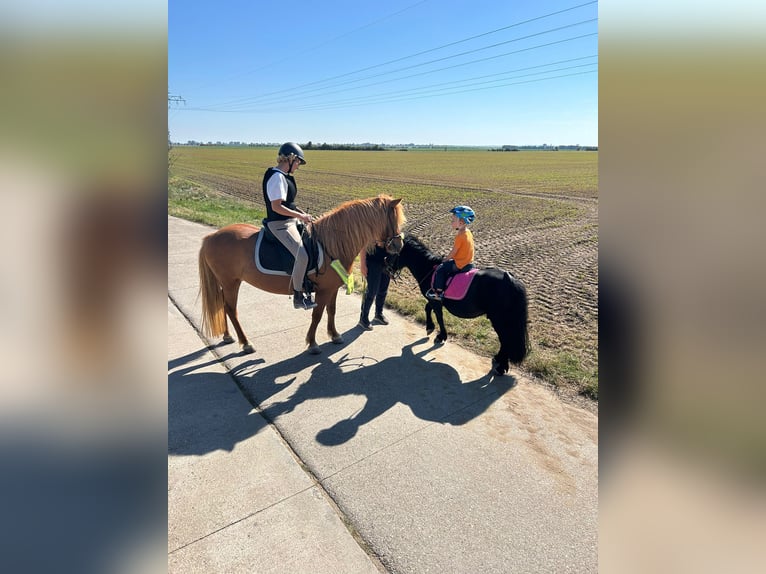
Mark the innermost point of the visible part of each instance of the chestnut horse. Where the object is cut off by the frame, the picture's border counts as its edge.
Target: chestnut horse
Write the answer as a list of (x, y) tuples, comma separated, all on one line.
[(226, 258)]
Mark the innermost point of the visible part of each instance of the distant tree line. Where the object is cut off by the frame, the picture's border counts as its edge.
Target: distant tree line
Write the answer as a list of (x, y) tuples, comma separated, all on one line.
[(345, 147), (545, 147), (385, 147)]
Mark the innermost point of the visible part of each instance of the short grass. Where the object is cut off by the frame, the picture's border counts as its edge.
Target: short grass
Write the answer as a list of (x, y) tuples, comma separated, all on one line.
[(197, 202)]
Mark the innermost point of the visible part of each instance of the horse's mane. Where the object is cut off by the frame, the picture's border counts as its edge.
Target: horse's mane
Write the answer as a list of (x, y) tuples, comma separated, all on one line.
[(346, 229), (412, 243)]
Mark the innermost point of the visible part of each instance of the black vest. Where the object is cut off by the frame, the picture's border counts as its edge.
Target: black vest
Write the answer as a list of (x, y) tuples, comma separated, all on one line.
[(292, 191)]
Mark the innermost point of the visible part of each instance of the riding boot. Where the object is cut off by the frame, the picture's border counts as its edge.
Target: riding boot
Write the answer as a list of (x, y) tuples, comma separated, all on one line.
[(301, 301)]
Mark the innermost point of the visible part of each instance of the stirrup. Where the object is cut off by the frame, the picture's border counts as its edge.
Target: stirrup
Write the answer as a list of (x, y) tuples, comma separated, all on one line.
[(431, 294), (302, 301)]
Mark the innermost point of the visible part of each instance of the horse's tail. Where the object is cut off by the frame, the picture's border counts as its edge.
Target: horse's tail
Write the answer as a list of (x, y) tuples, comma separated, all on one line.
[(213, 315), (518, 337)]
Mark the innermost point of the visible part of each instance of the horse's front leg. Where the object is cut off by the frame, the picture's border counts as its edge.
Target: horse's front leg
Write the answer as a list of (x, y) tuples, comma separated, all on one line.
[(438, 311), (336, 337)]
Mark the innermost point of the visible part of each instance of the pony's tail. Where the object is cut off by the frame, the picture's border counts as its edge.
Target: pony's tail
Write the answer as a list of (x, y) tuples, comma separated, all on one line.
[(213, 315), (518, 338)]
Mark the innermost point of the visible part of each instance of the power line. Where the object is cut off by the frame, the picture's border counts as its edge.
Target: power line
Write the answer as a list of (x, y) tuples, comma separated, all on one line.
[(313, 48), (455, 55), (504, 73), (440, 94), (449, 67), (406, 96), (396, 95), (332, 78)]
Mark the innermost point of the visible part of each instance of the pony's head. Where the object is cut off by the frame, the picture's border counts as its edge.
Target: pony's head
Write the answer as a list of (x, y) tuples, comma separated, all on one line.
[(412, 250)]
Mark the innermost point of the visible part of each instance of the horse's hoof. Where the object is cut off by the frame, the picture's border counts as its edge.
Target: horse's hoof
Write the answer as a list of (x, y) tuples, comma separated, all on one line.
[(338, 340), (497, 369), (247, 349), (227, 339), (315, 350), (429, 331)]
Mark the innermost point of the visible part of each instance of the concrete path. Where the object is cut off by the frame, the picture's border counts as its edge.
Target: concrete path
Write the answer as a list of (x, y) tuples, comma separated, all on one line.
[(385, 453)]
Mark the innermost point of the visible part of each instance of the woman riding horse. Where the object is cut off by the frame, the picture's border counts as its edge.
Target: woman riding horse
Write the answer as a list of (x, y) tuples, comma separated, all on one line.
[(226, 258)]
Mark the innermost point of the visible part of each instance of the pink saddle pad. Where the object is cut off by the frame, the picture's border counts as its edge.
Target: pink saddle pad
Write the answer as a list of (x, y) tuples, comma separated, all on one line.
[(458, 285)]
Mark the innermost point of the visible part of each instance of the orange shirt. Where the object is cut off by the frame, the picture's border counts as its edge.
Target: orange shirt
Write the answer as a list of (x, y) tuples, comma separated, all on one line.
[(464, 248)]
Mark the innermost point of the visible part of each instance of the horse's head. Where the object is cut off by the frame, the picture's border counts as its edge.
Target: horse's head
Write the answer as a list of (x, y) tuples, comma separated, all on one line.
[(393, 264), (394, 240), (359, 222)]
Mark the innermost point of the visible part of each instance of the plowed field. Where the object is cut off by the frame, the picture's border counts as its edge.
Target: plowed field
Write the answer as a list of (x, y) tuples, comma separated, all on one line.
[(537, 217)]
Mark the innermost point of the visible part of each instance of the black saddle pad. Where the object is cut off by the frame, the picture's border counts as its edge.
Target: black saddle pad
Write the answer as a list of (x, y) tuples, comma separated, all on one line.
[(273, 258)]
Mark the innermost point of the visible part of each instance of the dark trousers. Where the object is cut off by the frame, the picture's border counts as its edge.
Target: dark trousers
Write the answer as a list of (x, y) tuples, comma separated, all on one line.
[(446, 270), (377, 288)]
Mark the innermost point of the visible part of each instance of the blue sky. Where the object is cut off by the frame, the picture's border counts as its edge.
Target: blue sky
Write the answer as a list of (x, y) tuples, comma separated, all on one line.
[(404, 71)]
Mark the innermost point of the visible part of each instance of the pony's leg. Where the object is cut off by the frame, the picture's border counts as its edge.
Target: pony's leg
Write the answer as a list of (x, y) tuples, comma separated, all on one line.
[(429, 320), (230, 296), (336, 337), (500, 363), (438, 311)]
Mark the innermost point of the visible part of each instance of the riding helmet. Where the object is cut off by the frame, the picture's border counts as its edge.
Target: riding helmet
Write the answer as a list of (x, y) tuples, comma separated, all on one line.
[(292, 149), (463, 213)]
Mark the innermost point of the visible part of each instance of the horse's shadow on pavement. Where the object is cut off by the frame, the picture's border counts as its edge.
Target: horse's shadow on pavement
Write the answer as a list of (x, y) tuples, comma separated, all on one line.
[(204, 416), (206, 411), (432, 390)]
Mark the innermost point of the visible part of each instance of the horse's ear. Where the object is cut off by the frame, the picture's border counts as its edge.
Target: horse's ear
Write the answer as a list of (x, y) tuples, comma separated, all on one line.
[(395, 202)]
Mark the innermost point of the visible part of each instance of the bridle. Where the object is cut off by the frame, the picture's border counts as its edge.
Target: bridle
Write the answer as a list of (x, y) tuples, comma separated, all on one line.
[(394, 244), (389, 262), (391, 265)]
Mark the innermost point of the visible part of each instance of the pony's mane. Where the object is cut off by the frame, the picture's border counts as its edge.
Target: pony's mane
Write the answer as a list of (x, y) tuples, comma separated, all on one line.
[(361, 221), (411, 242)]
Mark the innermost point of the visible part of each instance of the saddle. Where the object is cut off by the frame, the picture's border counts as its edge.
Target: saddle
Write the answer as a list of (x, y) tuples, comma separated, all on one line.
[(273, 258), (458, 284)]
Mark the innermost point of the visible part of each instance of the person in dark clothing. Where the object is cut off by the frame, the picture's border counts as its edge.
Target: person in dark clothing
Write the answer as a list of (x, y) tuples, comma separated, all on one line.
[(372, 263)]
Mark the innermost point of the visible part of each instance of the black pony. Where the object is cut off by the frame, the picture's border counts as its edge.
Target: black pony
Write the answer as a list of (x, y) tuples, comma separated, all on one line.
[(493, 292)]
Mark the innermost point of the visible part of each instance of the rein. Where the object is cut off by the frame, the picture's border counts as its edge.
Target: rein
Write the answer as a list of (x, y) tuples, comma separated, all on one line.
[(429, 274), (395, 274)]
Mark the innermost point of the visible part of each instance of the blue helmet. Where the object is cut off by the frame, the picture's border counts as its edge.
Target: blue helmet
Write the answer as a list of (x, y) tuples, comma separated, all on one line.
[(463, 213)]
